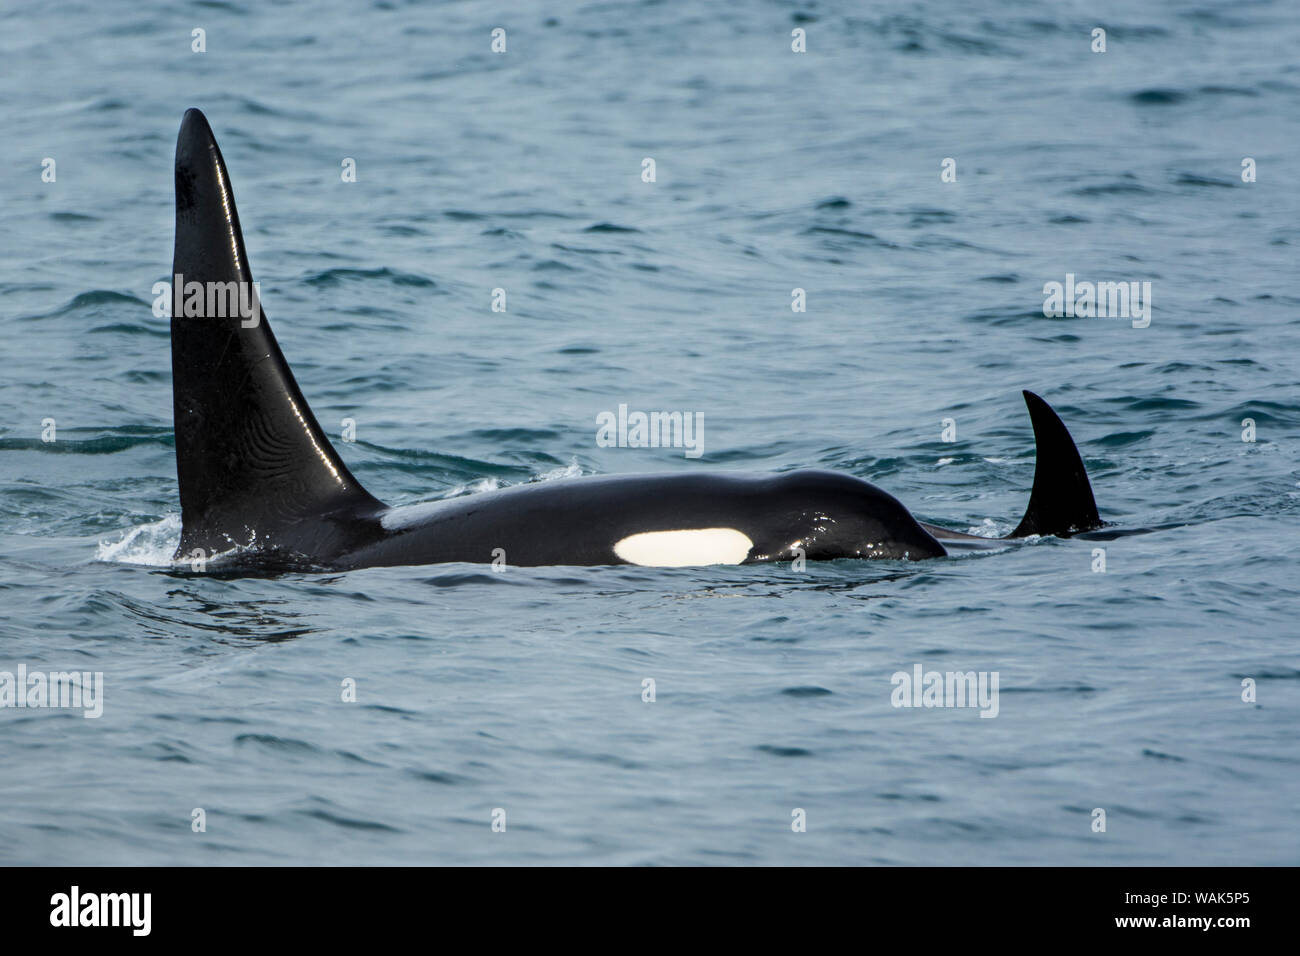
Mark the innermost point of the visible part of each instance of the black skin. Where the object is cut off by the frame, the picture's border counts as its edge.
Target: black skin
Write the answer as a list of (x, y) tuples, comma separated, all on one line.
[(577, 521)]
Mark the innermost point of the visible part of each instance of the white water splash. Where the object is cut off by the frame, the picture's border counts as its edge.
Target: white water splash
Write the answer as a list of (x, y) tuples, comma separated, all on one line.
[(403, 516), (151, 545), (477, 486), (988, 528), (571, 470)]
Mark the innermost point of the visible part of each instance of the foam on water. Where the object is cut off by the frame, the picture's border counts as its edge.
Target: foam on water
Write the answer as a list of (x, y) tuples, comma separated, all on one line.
[(151, 545), (403, 516)]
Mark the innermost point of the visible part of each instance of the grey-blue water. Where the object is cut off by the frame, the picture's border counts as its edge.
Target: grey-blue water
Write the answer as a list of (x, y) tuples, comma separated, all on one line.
[(1121, 690)]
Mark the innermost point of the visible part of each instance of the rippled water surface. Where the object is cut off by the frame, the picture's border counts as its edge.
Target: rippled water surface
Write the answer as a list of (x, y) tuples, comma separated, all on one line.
[(775, 170)]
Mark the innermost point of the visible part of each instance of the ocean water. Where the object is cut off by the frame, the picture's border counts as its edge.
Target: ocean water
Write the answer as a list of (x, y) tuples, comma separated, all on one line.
[(522, 691)]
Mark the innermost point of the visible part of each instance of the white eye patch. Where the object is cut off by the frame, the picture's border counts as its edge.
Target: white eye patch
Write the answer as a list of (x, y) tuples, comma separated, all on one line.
[(684, 549)]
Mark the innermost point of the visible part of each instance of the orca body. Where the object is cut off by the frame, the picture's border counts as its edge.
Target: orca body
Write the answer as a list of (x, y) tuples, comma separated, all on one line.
[(259, 478)]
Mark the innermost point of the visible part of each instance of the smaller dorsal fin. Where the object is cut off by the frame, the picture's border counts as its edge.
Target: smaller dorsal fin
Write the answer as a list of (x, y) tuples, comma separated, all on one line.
[(1061, 502)]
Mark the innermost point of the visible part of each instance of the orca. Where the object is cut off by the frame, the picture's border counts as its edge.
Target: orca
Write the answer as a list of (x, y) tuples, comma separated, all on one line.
[(260, 481)]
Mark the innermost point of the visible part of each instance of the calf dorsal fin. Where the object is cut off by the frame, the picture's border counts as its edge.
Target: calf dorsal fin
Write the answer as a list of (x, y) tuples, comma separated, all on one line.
[(1061, 502)]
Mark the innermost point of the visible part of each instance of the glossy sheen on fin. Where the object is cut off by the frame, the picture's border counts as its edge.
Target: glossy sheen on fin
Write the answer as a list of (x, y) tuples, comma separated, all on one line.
[(253, 464)]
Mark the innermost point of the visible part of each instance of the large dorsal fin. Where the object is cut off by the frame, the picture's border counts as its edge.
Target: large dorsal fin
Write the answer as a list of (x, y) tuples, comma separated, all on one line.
[(1061, 502), (253, 464)]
